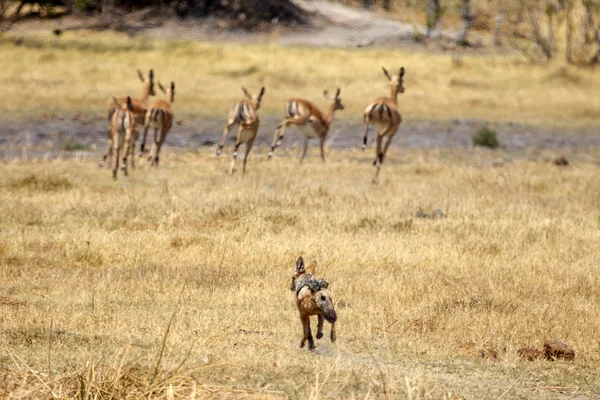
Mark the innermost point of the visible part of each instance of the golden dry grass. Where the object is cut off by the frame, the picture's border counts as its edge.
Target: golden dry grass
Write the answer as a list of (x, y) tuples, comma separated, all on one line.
[(79, 71), (92, 271)]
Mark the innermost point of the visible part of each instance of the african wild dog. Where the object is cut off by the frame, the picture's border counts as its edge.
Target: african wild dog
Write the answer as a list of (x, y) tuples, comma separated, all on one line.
[(309, 119), (312, 298), (383, 114)]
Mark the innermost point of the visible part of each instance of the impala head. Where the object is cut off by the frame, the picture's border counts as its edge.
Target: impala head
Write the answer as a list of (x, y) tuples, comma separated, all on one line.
[(148, 81), (127, 105), (335, 101), (255, 100), (170, 93), (397, 81)]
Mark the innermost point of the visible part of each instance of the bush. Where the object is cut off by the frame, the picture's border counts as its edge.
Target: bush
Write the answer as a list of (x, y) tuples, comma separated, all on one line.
[(486, 137)]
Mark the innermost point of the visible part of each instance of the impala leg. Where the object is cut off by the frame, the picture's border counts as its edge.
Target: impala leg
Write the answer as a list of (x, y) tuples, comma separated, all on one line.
[(388, 141), (306, 140), (376, 162), (143, 145), (161, 140), (153, 151), (366, 136), (126, 150), (248, 148), (235, 151), (116, 148), (224, 137), (277, 137), (320, 326), (107, 153), (323, 148)]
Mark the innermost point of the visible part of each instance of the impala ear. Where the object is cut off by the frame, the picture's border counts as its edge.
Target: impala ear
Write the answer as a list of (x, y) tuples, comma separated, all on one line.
[(299, 266), (248, 95), (401, 73), (140, 75), (386, 73), (116, 102), (311, 268), (162, 89), (337, 94)]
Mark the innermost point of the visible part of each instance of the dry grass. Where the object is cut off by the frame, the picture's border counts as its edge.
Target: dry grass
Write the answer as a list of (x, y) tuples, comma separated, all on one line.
[(78, 72), (92, 271)]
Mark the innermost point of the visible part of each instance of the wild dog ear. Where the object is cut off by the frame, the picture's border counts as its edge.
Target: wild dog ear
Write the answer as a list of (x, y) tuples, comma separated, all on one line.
[(140, 75), (311, 268), (386, 73), (248, 95), (299, 266), (401, 73), (161, 87)]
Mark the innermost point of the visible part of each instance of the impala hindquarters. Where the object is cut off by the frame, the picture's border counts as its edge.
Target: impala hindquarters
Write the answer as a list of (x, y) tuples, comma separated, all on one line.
[(312, 298), (244, 114), (310, 120), (160, 116), (385, 118), (122, 134)]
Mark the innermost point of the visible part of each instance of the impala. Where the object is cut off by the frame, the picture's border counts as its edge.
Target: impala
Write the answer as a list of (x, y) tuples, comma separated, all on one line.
[(383, 114), (122, 133), (244, 114), (160, 116), (312, 122), (138, 109)]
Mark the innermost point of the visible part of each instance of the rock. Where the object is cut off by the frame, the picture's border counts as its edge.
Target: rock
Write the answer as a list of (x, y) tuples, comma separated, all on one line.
[(555, 349), (561, 162), (529, 353)]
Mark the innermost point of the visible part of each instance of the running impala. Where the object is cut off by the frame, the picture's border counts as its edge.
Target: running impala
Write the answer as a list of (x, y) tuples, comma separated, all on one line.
[(244, 114), (160, 116), (311, 121), (383, 114), (138, 109), (122, 133)]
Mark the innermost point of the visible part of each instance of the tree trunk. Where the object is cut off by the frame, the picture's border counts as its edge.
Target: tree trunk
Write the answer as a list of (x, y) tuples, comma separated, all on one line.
[(434, 13), (467, 19)]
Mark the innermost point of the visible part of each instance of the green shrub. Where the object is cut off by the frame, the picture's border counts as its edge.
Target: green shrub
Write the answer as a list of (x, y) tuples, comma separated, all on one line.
[(486, 137)]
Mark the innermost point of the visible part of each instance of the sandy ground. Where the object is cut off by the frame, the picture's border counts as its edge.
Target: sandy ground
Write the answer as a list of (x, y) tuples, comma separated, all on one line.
[(51, 137)]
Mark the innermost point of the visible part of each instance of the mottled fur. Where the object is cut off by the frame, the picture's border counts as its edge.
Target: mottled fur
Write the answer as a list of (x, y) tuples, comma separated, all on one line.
[(385, 117), (244, 114), (160, 116), (312, 298), (311, 121), (138, 108), (122, 134)]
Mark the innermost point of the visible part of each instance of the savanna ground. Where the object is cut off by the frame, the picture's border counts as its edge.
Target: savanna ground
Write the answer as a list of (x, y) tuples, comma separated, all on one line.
[(178, 276)]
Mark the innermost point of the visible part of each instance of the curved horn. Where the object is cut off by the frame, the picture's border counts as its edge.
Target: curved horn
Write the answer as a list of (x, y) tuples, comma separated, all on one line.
[(161, 87), (248, 95), (401, 73), (151, 74), (337, 94), (386, 73), (140, 75)]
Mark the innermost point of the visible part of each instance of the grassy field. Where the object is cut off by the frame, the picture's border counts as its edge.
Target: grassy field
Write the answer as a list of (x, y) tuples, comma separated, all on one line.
[(79, 71), (92, 272)]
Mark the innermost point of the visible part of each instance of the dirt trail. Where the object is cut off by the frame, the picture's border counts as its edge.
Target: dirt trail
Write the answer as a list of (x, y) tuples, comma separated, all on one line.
[(56, 137)]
